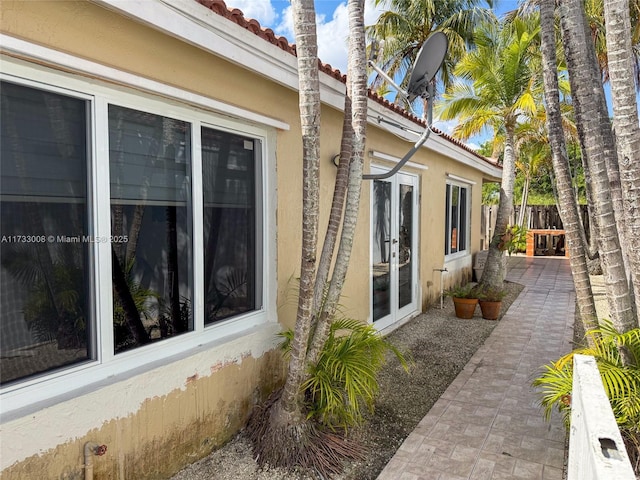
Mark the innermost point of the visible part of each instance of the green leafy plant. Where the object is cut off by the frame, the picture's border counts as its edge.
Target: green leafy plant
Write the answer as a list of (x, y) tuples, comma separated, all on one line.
[(344, 381), (463, 291), (514, 239), (490, 294), (621, 381)]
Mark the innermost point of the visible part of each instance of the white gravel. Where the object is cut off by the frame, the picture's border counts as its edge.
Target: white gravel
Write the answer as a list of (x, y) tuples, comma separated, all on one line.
[(440, 345)]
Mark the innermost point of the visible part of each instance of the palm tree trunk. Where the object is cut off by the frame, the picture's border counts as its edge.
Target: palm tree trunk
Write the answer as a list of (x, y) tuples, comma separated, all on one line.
[(591, 114), (625, 121), (495, 268), (566, 201), (357, 91), (290, 405), (337, 209), (522, 214)]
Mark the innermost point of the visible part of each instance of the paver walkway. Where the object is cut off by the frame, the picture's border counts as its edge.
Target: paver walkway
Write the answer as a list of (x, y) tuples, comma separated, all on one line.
[(488, 423)]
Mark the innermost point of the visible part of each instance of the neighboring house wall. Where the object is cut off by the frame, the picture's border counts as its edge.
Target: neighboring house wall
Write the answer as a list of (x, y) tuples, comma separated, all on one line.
[(160, 406)]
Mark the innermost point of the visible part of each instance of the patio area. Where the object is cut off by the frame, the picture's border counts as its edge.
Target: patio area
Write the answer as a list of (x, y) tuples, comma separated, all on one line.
[(488, 425)]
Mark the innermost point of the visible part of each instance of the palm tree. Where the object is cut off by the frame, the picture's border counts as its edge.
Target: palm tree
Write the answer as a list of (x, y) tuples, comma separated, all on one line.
[(283, 432), (357, 96), (495, 91), (593, 121), (407, 24), (567, 204), (625, 120), (594, 11)]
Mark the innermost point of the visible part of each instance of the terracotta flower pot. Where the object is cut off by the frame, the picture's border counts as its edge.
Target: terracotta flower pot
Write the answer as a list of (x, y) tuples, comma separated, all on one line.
[(465, 307), (490, 310)]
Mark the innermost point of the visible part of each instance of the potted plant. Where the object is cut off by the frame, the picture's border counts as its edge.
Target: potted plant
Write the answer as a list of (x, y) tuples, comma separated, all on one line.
[(490, 299), (465, 299)]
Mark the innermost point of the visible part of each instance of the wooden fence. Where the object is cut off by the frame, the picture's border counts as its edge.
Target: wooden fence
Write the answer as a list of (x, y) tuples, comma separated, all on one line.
[(539, 217)]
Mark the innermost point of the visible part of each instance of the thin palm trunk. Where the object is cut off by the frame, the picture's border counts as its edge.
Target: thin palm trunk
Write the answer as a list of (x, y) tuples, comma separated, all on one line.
[(566, 201), (290, 404), (522, 214), (495, 268), (357, 91), (625, 121), (584, 76), (592, 244), (337, 209)]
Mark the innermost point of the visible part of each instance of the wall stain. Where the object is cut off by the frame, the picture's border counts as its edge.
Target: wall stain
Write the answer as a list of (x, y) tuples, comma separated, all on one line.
[(167, 433)]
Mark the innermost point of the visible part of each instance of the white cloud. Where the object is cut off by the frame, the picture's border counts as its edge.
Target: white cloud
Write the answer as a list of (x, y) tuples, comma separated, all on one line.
[(332, 32), (261, 10), (445, 126)]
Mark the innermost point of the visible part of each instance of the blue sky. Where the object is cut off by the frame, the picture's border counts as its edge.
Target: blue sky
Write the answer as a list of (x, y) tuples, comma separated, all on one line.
[(332, 22), (332, 31)]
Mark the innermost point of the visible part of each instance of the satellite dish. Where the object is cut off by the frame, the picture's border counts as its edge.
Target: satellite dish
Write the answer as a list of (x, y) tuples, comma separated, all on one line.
[(427, 64)]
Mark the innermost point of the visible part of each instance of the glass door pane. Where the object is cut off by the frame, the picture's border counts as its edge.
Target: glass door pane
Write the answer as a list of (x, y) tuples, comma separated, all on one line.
[(381, 249), (405, 245)]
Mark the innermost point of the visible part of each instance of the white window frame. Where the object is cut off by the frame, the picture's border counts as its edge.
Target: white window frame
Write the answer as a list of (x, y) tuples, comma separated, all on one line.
[(108, 367), (468, 186)]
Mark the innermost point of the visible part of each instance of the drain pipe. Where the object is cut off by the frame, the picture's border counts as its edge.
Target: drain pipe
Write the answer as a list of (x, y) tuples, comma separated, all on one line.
[(441, 270), (91, 449)]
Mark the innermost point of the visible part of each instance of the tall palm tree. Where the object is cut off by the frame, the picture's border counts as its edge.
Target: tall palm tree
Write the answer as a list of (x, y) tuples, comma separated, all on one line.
[(593, 119), (625, 120), (495, 91), (283, 433), (567, 204), (406, 25), (594, 11)]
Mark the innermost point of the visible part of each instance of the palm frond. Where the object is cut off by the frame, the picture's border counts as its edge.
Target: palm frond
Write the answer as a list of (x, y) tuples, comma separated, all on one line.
[(621, 381)]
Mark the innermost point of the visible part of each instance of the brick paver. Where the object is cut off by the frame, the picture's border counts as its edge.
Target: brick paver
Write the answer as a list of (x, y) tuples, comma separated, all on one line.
[(488, 424)]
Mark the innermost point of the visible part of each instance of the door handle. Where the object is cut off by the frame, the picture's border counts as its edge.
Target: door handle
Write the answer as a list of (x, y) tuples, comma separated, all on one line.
[(394, 241)]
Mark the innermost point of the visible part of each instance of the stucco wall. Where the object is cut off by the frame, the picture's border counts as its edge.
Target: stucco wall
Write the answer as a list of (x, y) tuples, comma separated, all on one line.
[(152, 423)]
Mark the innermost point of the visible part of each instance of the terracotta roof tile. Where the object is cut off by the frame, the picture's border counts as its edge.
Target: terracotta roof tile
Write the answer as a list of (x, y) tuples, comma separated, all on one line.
[(237, 16)]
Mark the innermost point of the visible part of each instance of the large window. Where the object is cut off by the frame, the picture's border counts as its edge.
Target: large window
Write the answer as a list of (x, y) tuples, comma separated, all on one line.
[(456, 219), (183, 257)]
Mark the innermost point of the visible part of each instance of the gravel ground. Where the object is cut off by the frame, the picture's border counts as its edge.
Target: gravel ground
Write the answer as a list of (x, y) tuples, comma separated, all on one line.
[(440, 345)]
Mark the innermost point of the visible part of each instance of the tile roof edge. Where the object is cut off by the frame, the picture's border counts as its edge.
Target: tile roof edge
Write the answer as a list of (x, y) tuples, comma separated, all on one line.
[(237, 16)]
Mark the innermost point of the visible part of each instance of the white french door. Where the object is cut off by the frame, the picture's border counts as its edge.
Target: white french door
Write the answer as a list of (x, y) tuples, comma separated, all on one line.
[(394, 252)]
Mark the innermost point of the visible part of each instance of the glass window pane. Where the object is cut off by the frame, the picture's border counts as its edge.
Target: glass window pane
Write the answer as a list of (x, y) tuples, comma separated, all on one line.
[(229, 191), (45, 316), (447, 220), (462, 234), (455, 201), (149, 164)]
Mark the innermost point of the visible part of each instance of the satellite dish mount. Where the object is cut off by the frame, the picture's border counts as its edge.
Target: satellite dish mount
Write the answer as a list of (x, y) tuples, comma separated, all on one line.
[(427, 63)]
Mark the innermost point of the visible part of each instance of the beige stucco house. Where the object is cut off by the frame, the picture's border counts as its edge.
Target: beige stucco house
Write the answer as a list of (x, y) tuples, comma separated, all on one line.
[(150, 216)]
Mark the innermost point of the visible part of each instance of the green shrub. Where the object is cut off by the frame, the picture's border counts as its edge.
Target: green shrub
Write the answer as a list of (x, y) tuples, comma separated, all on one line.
[(621, 381), (344, 382), (514, 239), (490, 294), (463, 291)]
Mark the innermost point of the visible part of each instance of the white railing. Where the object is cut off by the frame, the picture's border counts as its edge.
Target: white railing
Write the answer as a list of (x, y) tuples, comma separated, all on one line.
[(596, 449)]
